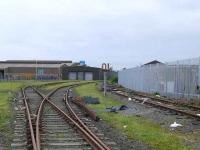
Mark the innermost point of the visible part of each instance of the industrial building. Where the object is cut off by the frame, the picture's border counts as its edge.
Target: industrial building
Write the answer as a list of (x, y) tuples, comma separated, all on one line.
[(179, 79), (47, 70), (81, 73)]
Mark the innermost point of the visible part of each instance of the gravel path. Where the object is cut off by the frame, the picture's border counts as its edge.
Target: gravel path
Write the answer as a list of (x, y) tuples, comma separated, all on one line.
[(122, 140), (163, 118)]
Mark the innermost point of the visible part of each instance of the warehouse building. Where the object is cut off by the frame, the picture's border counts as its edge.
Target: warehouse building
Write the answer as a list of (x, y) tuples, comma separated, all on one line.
[(81, 73), (31, 69), (47, 70)]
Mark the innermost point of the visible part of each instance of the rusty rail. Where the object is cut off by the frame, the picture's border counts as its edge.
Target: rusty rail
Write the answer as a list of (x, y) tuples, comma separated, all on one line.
[(166, 101), (85, 108), (86, 133), (29, 120), (163, 100), (170, 108), (35, 139), (94, 144), (163, 106), (39, 113), (83, 125)]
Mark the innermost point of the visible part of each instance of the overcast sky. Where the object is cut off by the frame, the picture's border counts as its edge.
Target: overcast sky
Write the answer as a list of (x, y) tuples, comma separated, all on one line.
[(124, 33)]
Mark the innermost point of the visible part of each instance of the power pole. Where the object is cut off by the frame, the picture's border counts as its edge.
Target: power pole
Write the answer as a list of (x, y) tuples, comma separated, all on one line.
[(105, 67)]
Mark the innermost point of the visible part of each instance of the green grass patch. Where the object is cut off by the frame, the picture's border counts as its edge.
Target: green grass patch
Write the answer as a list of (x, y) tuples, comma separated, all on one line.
[(4, 110), (91, 90), (7, 90), (137, 127), (68, 82), (15, 85)]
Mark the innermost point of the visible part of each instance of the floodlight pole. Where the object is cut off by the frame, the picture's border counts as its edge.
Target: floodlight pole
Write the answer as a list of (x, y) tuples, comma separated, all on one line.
[(36, 73), (105, 67), (104, 83), (59, 71)]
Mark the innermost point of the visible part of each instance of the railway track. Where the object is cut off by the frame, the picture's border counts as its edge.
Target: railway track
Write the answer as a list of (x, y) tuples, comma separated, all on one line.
[(80, 115), (159, 99), (50, 122), (189, 111), (20, 136), (168, 101)]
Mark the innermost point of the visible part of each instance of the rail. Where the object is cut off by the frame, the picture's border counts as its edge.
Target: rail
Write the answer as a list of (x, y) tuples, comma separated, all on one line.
[(29, 121)]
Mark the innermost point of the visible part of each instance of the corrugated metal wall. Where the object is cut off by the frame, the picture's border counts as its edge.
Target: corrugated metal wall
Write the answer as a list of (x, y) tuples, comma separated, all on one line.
[(169, 80), (191, 61)]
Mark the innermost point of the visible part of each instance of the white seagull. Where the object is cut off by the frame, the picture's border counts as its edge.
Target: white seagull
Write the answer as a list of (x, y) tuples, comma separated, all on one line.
[(175, 125)]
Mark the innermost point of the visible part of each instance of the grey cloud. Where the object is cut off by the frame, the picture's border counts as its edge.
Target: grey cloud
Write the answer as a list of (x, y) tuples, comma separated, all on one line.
[(123, 34)]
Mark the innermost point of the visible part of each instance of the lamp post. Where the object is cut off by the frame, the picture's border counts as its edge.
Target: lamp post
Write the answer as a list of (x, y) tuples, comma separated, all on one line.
[(36, 69), (59, 71), (105, 67)]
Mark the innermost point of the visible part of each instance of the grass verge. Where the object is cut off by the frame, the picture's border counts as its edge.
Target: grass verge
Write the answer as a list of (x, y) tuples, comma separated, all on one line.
[(67, 82), (7, 91), (137, 127)]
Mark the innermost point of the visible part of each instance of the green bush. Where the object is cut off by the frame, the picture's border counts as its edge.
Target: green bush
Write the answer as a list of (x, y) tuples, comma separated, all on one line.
[(114, 79), (156, 93)]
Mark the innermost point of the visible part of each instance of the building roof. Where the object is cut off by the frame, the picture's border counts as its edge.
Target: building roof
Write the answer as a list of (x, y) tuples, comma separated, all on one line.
[(153, 62), (35, 61), (78, 67)]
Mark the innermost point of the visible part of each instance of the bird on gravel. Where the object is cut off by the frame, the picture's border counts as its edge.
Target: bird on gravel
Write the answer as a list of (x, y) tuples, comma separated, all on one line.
[(144, 100), (16, 108), (125, 126), (174, 125), (22, 108)]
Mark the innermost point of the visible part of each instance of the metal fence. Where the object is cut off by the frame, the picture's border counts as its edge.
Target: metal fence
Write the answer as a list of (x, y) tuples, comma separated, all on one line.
[(191, 61), (178, 81), (26, 76)]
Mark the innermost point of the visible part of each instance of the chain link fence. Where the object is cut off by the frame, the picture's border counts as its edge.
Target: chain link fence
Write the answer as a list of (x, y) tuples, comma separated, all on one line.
[(29, 76)]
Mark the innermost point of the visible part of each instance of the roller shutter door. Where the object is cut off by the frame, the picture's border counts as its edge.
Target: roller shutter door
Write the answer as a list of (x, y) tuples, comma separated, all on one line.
[(72, 75), (1, 75), (88, 76), (80, 76)]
